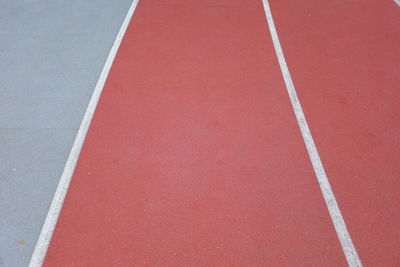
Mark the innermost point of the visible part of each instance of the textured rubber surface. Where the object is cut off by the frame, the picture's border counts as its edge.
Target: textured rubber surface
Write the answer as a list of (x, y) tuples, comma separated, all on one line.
[(344, 59), (194, 156)]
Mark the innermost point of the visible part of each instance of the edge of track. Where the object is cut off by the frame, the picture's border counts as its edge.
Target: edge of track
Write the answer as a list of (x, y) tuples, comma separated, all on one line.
[(49, 225)]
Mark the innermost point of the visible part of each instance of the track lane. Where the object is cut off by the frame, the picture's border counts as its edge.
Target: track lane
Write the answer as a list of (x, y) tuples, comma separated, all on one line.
[(344, 59), (194, 156)]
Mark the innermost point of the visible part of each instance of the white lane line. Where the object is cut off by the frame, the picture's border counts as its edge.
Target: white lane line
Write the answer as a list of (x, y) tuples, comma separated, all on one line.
[(397, 2), (48, 228), (337, 219)]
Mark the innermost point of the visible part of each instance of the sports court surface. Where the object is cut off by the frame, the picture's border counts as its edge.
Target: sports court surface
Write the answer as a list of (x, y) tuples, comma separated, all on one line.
[(225, 133)]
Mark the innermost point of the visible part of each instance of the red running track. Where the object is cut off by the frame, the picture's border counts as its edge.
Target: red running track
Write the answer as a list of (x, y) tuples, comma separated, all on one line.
[(194, 156), (344, 58)]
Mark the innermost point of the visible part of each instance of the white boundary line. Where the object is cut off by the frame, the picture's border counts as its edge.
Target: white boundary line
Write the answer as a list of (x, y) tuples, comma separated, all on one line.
[(397, 2), (51, 220), (337, 219)]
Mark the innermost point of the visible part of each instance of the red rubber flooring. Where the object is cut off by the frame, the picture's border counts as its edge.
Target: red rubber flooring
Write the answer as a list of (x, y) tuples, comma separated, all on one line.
[(344, 59), (194, 156)]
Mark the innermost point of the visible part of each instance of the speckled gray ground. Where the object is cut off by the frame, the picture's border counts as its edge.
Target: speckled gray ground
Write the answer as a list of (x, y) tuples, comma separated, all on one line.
[(51, 54)]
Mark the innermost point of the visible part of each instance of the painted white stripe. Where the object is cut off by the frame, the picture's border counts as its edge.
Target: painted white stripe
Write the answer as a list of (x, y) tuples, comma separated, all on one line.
[(337, 219), (48, 228), (397, 2)]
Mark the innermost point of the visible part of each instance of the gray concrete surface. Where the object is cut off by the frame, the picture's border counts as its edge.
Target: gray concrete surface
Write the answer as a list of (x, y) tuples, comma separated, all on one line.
[(51, 54)]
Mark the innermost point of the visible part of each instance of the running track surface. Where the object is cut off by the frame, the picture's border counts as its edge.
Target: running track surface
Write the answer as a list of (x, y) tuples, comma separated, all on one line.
[(194, 156)]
